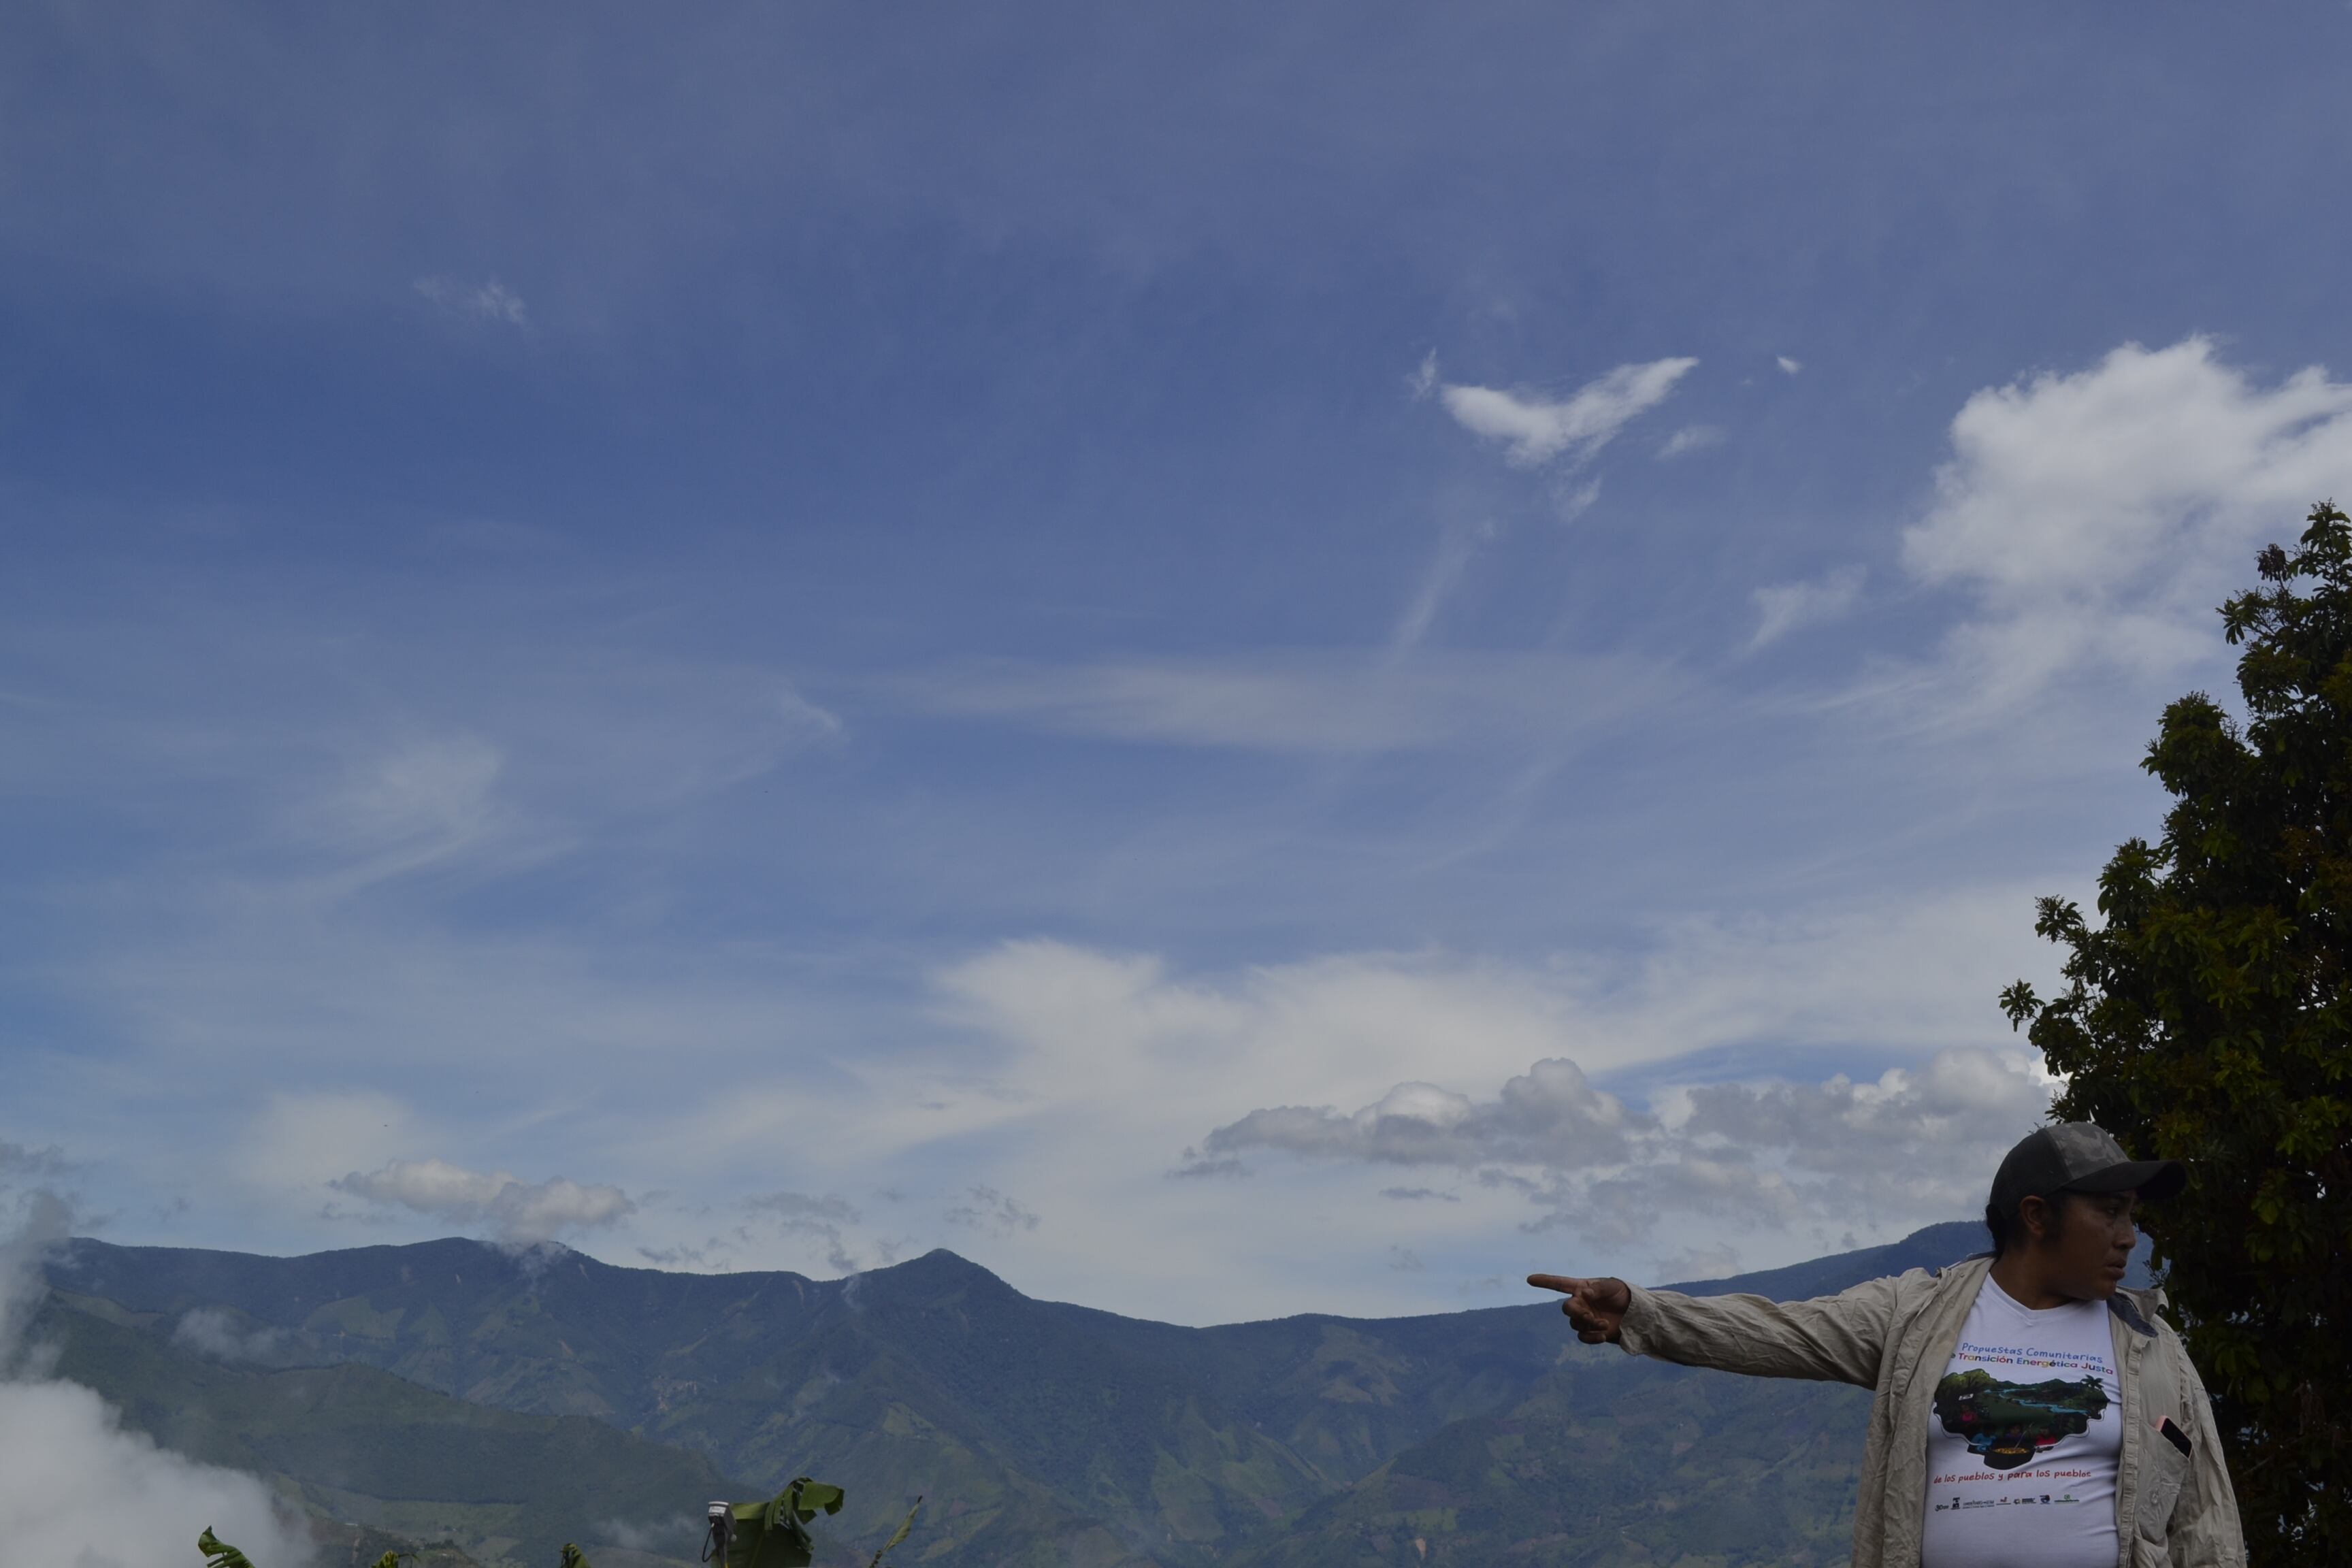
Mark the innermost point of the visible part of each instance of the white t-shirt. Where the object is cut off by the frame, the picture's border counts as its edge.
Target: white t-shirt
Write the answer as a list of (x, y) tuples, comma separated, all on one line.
[(2023, 1439)]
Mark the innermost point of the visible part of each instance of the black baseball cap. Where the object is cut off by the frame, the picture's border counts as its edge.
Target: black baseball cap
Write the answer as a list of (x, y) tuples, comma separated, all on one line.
[(2080, 1157)]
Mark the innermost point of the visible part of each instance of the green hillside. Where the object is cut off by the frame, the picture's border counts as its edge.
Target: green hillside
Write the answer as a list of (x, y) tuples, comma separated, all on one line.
[(1613, 1461), (1053, 1433), (353, 1443)]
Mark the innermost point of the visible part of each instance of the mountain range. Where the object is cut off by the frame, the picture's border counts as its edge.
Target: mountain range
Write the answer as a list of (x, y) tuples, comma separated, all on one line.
[(507, 1399)]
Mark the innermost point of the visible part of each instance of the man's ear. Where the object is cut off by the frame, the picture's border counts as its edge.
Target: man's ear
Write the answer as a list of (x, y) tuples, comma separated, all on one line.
[(2034, 1215)]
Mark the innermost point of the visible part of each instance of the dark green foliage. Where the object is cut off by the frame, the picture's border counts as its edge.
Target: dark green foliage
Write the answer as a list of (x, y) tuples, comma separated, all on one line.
[(774, 1534), (2207, 1020), (573, 1557)]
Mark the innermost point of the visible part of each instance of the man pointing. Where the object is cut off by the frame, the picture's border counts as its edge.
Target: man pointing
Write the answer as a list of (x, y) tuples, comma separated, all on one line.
[(2030, 1413)]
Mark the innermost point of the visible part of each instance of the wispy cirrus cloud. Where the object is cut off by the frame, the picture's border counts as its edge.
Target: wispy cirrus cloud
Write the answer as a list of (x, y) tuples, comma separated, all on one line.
[(1688, 439), (1301, 702), (486, 301), (1783, 607), (1534, 429)]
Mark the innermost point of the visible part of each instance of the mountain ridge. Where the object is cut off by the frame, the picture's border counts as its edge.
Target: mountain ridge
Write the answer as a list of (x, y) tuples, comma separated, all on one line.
[(1048, 1432)]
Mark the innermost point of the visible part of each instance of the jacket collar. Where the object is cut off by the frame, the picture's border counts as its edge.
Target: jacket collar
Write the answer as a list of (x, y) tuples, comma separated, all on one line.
[(2128, 1305)]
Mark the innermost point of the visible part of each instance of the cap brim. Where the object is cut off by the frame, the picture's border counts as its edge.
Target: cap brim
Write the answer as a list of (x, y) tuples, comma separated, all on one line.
[(2153, 1180)]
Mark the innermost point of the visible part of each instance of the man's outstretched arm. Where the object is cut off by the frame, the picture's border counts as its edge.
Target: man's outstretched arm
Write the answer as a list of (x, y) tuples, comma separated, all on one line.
[(1831, 1339)]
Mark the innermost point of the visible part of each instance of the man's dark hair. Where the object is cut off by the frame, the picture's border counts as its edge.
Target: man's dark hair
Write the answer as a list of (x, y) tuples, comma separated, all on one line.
[(2008, 1225)]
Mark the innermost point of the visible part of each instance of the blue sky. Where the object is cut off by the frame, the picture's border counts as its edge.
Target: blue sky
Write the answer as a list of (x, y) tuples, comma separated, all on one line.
[(783, 637)]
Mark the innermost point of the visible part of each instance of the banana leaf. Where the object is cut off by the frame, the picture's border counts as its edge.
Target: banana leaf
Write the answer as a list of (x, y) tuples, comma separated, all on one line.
[(774, 1534), (219, 1553), (901, 1535)]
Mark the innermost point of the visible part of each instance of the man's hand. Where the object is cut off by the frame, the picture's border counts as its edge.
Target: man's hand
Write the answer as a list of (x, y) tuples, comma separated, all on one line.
[(1595, 1308)]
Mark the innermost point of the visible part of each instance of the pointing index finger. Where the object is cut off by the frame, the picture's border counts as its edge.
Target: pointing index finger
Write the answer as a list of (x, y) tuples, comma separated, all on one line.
[(1560, 1282)]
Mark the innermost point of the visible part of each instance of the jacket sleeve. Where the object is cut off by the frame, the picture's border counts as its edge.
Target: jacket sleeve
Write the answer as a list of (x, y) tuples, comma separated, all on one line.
[(1830, 1339), (2205, 1532)]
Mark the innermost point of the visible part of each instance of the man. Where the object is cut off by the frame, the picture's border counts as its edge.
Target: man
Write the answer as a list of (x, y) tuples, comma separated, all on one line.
[(2030, 1413)]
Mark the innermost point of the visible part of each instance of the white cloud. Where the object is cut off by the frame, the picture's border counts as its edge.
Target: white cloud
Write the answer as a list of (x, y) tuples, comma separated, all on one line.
[(1691, 438), (1302, 703), (1548, 1116), (512, 1209), (1784, 607), (490, 301), (1534, 429), (2097, 517), (826, 1219), (406, 805), (1693, 1263), (215, 1333), (1915, 1145), (984, 1208), (1423, 380), (78, 1489), (1393, 1066), (1789, 366), (75, 1487)]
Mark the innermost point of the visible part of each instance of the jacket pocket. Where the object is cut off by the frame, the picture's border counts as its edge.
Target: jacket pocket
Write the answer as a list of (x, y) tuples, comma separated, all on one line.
[(2162, 1468)]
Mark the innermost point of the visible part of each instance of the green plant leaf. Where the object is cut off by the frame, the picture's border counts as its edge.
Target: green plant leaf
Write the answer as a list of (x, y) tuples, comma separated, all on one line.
[(219, 1553)]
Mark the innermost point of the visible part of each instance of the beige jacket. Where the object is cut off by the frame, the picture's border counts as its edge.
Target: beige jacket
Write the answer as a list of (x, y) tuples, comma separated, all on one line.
[(1895, 1336)]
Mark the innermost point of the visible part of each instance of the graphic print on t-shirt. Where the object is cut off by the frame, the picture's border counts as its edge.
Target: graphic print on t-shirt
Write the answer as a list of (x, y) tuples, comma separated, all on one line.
[(2007, 1424), (2023, 1434)]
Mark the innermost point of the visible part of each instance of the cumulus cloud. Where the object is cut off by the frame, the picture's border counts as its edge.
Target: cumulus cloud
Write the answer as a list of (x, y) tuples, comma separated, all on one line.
[(1548, 1116), (511, 1208), (1789, 366), (1534, 429), (75, 1487), (1057, 1057), (2097, 516), (1915, 1144), (488, 300), (1784, 607)]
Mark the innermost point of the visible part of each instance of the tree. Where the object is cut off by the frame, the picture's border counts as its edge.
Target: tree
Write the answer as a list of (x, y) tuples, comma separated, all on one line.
[(2209, 1019)]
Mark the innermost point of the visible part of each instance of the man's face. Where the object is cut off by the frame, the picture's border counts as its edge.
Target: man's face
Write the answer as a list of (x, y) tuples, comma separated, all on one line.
[(2084, 1252)]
